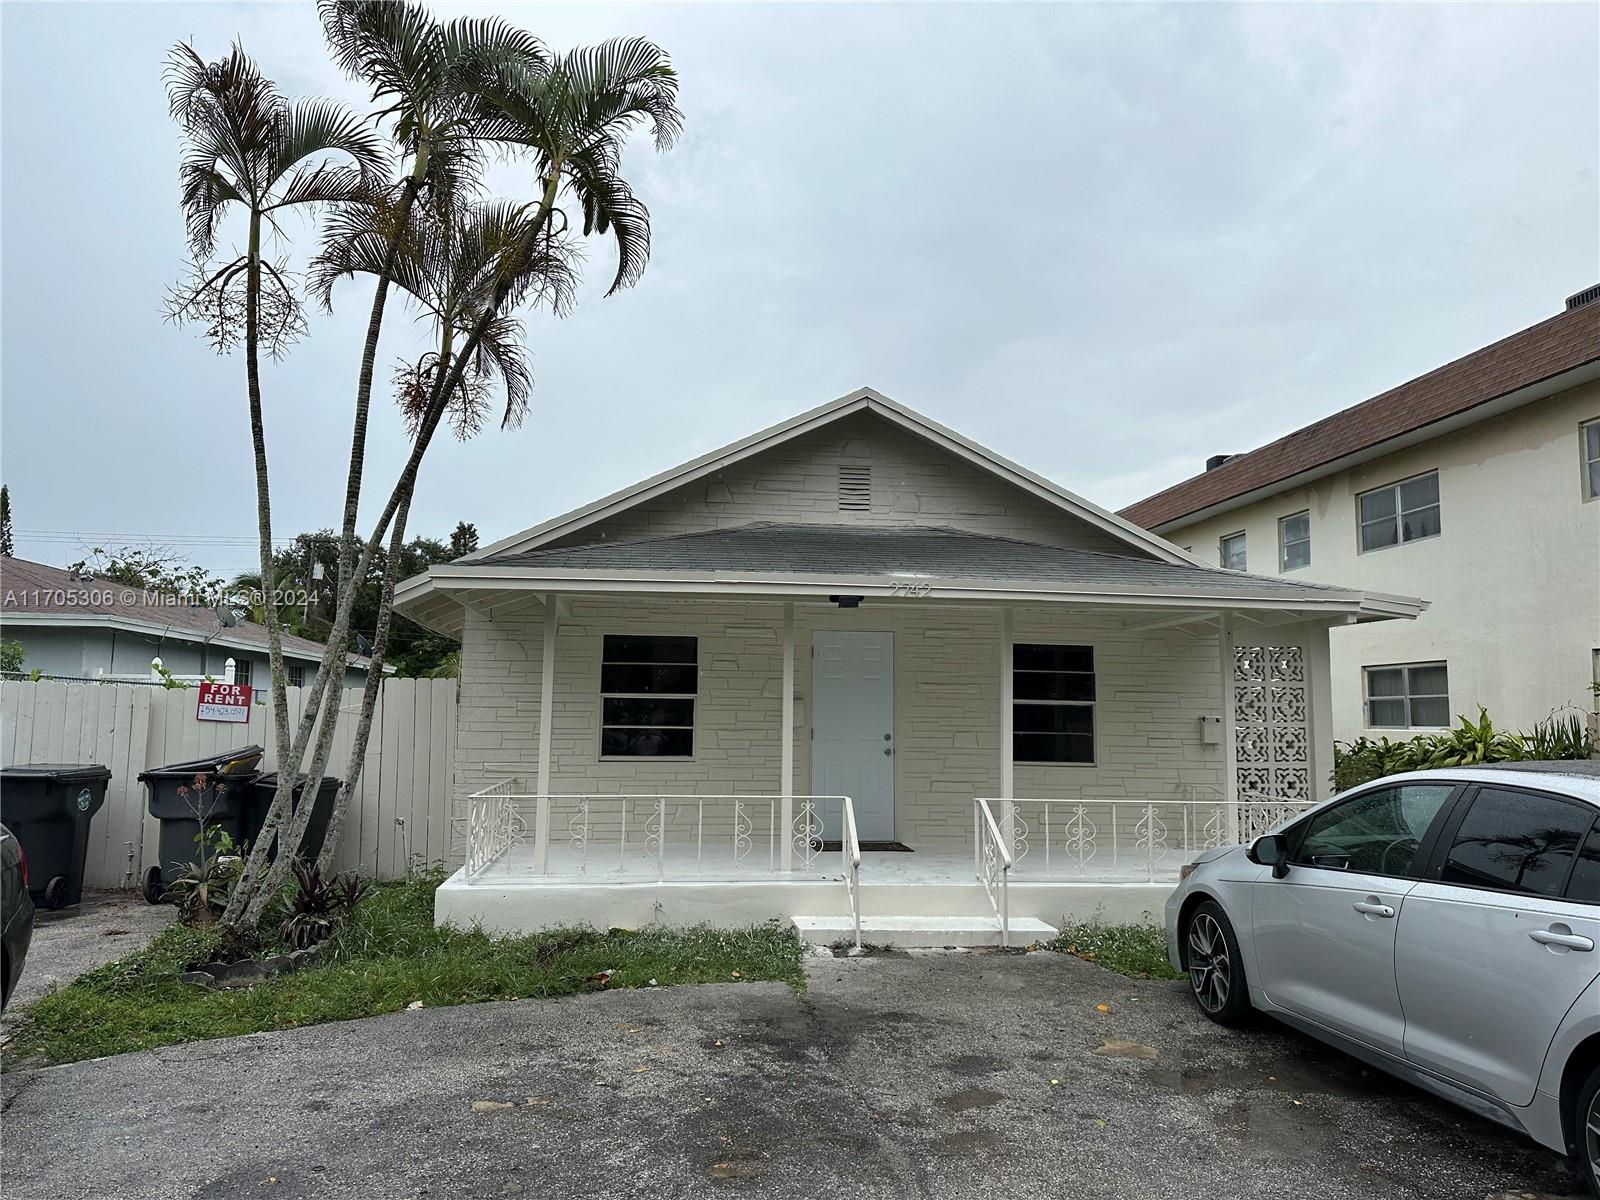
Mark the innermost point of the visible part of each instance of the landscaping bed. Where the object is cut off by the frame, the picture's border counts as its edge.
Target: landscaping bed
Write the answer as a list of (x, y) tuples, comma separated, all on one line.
[(388, 957)]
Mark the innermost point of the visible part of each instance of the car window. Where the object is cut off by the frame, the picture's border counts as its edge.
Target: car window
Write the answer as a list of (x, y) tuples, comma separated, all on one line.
[(1375, 833), (1585, 882), (1516, 842)]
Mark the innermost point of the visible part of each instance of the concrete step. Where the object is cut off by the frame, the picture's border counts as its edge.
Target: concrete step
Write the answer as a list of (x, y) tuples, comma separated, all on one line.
[(906, 932)]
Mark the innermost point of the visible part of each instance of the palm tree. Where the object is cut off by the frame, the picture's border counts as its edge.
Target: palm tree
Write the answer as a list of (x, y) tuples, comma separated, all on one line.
[(247, 147), (428, 76), (448, 268)]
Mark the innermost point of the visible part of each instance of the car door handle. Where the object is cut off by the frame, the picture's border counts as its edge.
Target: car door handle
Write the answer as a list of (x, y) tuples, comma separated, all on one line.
[(1569, 941), (1373, 909)]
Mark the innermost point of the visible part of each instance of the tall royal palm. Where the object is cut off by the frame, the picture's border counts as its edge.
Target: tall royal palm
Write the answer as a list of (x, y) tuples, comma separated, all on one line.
[(427, 77), (449, 266), (247, 148)]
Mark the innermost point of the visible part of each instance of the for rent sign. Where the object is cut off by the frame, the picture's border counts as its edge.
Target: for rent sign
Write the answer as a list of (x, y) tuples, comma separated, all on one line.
[(226, 702)]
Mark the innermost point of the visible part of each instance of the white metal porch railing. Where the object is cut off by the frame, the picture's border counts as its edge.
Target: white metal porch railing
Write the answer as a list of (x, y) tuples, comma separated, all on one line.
[(1129, 840), (992, 863), (850, 848)]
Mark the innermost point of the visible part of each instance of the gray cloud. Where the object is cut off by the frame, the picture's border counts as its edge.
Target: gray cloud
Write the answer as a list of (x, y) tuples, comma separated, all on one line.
[(1106, 241)]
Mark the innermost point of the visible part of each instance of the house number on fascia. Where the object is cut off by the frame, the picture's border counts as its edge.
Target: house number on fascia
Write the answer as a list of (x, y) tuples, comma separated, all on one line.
[(911, 589)]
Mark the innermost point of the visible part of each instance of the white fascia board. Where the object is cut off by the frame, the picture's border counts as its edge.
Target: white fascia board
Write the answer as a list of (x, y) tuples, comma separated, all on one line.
[(164, 632), (459, 579), (1496, 407), (860, 400)]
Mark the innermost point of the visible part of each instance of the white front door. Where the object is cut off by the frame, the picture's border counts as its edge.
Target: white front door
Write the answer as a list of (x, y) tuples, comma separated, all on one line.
[(852, 729)]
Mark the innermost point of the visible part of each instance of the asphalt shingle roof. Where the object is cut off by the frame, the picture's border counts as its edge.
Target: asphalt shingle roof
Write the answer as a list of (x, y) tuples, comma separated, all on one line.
[(911, 553), (30, 587), (1562, 343)]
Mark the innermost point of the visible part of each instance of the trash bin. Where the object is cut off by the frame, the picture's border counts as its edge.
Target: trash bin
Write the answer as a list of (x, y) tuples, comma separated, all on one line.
[(230, 774), (49, 807), (266, 786)]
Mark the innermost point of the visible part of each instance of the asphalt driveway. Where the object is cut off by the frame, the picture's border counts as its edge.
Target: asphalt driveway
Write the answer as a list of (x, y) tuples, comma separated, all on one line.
[(939, 1075)]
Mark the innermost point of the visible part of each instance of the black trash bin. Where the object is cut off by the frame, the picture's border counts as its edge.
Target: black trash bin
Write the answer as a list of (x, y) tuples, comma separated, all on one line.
[(266, 786), (49, 806), (223, 805)]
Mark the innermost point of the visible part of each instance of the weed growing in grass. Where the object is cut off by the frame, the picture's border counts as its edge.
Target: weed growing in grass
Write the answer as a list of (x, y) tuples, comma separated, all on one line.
[(1137, 951)]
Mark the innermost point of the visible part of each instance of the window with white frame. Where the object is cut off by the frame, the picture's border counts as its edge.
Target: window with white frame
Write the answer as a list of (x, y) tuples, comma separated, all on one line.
[(1589, 431), (1294, 541), (648, 685), (1407, 696), (241, 670), (297, 674), (1230, 551), (1399, 512), (1052, 704)]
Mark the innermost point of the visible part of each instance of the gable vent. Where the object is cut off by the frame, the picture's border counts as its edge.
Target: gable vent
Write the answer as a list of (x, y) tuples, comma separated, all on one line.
[(855, 489)]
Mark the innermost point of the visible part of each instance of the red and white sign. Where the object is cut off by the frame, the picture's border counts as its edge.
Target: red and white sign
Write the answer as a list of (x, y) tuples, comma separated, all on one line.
[(226, 702)]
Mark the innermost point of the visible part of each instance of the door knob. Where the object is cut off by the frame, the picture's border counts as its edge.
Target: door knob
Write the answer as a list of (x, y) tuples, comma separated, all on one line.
[(887, 750)]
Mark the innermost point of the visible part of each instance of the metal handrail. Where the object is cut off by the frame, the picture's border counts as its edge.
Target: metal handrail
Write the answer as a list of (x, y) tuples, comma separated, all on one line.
[(991, 862), (850, 851)]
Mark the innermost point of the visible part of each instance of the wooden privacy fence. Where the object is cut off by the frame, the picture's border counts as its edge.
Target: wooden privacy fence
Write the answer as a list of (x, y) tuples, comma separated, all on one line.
[(402, 807)]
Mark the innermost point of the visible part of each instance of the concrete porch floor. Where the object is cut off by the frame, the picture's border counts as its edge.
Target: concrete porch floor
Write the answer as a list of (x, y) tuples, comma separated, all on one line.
[(626, 891)]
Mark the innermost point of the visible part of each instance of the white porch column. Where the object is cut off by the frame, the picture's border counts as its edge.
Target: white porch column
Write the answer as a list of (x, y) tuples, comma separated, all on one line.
[(1230, 748), (1007, 727), (547, 699), (786, 758)]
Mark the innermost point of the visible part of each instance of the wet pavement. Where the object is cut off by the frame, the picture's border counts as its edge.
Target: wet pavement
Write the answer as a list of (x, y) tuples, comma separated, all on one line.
[(898, 1075)]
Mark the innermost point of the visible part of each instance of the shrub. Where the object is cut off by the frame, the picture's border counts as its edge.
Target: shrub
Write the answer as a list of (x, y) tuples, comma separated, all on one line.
[(1561, 735)]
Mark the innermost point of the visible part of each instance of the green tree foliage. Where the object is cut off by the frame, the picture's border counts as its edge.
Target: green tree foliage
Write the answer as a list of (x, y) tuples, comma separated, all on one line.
[(8, 546)]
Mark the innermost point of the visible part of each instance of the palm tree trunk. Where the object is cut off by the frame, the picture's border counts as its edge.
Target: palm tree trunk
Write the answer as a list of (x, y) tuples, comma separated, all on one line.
[(369, 695)]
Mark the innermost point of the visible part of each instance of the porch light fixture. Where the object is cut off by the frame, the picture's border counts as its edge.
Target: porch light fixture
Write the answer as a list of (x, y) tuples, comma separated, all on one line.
[(846, 601)]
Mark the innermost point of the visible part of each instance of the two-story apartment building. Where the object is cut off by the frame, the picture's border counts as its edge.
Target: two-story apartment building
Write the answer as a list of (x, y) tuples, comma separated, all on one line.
[(1475, 486)]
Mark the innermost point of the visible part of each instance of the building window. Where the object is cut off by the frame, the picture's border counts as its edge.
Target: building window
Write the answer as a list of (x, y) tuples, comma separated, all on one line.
[(1294, 541), (297, 674), (1408, 696), (1052, 709), (1231, 552), (1591, 458), (647, 693), (1401, 512), (241, 670)]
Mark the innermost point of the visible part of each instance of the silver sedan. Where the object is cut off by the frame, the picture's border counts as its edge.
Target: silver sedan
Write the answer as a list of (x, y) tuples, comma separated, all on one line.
[(1439, 925)]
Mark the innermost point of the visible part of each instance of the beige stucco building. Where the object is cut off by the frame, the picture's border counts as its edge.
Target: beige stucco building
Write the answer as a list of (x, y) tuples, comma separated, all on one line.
[(1473, 486), (857, 667)]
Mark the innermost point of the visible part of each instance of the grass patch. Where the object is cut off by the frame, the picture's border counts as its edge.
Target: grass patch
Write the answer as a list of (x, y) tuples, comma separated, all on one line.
[(1137, 951), (387, 957)]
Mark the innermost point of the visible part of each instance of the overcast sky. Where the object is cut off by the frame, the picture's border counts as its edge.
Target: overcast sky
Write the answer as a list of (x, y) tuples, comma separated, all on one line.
[(1104, 241)]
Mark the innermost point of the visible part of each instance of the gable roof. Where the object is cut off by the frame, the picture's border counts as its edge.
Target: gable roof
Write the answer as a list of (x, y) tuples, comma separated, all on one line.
[(915, 554), (36, 594), (863, 400), (1539, 361)]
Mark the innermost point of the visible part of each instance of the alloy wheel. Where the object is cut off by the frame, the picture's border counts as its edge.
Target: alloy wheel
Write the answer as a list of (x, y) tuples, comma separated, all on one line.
[(1591, 1135), (1210, 975)]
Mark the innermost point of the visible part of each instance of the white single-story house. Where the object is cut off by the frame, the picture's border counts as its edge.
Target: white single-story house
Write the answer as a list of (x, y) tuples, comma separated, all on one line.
[(860, 672)]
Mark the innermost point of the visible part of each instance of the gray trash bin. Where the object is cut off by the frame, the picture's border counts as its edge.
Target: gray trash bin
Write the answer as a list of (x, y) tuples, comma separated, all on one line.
[(230, 774)]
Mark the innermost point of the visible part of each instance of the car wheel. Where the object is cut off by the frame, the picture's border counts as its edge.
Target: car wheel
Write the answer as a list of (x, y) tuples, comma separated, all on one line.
[(1586, 1131), (1216, 970)]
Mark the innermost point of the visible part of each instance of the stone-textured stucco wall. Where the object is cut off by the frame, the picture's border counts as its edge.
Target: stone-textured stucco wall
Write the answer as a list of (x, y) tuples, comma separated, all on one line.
[(913, 483), (1513, 578), (1152, 689)]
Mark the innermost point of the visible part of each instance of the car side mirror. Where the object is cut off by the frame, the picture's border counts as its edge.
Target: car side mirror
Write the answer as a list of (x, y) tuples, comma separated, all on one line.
[(1271, 851)]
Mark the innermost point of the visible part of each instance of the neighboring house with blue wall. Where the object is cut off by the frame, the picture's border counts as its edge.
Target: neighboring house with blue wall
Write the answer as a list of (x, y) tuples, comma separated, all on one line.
[(87, 628)]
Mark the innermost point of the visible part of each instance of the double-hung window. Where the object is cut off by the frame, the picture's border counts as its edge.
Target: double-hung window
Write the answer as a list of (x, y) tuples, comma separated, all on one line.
[(1589, 433), (1052, 709), (1230, 550), (1408, 696), (241, 670), (648, 686), (1400, 512), (1294, 541)]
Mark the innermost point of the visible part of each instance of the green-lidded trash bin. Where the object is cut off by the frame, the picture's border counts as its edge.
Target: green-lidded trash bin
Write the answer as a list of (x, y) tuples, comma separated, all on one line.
[(263, 790), (49, 807), (180, 807)]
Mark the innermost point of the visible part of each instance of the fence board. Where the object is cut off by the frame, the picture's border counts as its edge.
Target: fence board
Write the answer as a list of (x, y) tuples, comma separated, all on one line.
[(130, 728)]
